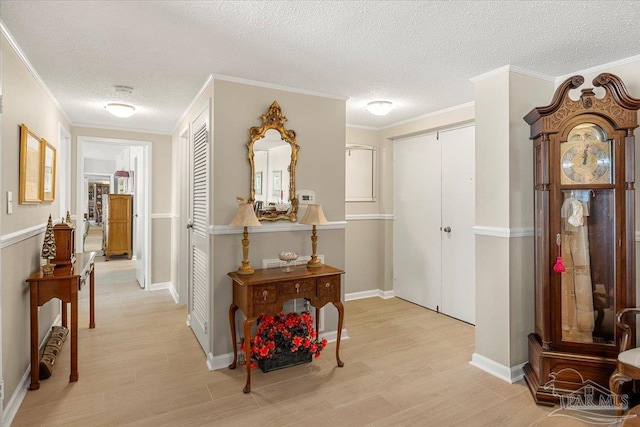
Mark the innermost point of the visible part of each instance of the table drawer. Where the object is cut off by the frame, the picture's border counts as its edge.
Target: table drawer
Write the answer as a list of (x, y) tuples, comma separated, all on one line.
[(266, 294), (328, 286), (296, 287)]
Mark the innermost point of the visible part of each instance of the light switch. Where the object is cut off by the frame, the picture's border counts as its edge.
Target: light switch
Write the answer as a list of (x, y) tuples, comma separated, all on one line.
[(9, 202)]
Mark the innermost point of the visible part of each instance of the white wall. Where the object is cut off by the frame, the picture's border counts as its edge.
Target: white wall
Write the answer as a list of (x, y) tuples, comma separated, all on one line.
[(99, 167)]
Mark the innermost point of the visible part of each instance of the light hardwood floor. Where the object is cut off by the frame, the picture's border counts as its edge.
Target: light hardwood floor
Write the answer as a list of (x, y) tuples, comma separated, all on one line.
[(142, 366)]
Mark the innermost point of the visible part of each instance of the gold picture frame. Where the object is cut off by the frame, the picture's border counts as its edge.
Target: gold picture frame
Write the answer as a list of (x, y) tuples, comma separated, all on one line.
[(31, 156), (48, 175)]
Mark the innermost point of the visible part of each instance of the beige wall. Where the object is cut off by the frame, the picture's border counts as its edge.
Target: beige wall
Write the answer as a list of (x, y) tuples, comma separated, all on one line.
[(320, 128), (24, 102), (366, 238), (318, 122), (504, 201)]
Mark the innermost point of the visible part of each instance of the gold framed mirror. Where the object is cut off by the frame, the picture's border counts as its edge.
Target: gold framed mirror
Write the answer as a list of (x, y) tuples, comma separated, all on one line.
[(273, 154)]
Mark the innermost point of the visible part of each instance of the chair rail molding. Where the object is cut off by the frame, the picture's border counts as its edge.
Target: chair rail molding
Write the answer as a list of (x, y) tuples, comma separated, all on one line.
[(503, 231)]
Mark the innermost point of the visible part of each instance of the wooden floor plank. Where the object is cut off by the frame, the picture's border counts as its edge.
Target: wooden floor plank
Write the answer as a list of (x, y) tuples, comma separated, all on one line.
[(404, 365)]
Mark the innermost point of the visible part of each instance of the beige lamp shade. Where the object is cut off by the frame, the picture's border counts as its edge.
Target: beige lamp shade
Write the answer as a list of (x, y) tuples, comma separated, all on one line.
[(245, 216), (314, 216)]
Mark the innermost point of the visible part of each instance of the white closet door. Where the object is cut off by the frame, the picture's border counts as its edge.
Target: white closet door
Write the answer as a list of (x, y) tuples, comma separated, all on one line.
[(416, 231), (199, 253), (458, 215)]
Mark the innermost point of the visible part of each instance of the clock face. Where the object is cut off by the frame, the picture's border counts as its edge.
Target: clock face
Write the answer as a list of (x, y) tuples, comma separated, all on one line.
[(586, 157)]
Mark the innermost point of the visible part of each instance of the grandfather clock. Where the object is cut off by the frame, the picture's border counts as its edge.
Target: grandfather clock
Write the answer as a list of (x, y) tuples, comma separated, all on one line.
[(584, 234)]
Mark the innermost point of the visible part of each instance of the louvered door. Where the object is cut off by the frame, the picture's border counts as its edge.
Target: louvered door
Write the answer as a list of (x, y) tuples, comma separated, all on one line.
[(199, 274)]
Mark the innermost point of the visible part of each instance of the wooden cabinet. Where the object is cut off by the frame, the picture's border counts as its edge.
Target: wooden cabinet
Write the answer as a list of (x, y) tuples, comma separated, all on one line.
[(118, 225), (584, 235)]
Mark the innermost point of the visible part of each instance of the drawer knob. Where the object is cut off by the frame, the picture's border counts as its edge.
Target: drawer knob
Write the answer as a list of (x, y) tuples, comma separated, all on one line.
[(264, 295), (297, 288), (327, 285)]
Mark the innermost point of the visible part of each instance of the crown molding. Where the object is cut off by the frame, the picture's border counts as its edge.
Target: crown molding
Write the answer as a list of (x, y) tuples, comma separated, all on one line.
[(119, 129), (513, 69), (432, 114), (277, 87), (599, 68)]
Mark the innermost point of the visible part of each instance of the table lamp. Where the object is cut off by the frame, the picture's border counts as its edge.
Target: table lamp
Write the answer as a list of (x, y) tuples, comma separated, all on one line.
[(245, 217), (314, 216)]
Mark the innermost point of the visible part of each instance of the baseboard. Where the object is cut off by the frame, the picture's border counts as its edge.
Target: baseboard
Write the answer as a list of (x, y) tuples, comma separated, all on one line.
[(168, 286), (333, 335), (218, 362), (505, 373), (221, 361), (13, 405), (352, 296), (10, 410)]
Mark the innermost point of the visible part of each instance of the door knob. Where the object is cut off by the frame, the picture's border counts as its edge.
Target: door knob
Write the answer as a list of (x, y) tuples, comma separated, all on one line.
[(447, 230)]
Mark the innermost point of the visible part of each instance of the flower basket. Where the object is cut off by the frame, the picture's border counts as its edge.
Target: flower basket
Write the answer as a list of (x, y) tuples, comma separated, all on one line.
[(283, 360), (285, 340)]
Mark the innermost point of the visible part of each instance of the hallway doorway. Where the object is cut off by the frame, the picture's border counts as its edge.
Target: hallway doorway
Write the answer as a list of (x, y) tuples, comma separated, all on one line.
[(96, 155)]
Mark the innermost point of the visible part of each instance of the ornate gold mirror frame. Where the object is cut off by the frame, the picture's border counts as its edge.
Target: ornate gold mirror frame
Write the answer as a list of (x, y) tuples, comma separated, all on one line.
[(274, 119)]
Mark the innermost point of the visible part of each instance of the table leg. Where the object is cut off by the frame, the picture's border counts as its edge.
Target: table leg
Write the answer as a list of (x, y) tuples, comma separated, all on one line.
[(64, 313), (74, 331), (248, 323), (92, 301), (35, 363), (340, 308), (232, 324)]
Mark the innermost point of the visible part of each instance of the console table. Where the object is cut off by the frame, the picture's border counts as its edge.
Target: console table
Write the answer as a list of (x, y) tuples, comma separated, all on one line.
[(265, 291), (64, 284)]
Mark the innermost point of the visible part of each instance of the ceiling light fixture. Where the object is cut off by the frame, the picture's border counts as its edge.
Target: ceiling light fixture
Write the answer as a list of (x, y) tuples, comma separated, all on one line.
[(379, 108), (121, 110)]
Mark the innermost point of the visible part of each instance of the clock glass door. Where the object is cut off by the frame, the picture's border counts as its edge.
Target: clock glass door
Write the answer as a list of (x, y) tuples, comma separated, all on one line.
[(588, 254), (587, 236)]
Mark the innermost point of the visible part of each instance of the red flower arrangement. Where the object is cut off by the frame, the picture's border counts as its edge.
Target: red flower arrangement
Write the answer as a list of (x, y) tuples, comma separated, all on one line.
[(289, 332)]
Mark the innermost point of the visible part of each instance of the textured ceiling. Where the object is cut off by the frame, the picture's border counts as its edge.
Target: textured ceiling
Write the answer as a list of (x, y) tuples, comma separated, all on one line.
[(419, 55)]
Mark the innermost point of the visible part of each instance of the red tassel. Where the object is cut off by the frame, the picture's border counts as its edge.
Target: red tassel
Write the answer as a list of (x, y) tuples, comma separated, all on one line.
[(559, 266)]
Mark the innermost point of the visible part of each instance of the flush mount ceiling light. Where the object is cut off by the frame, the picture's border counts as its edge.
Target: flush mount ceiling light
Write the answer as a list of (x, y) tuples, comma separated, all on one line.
[(379, 108), (121, 110)]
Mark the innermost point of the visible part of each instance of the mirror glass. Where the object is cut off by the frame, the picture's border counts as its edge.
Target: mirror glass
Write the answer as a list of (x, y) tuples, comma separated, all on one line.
[(273, 154)]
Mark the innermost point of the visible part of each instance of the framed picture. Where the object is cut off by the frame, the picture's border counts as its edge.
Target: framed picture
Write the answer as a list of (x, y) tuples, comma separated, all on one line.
[(277, 183), (258, 184), (48, 186), (31, 157)]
